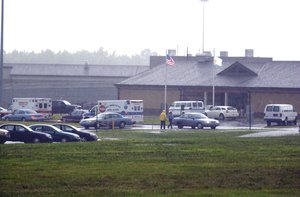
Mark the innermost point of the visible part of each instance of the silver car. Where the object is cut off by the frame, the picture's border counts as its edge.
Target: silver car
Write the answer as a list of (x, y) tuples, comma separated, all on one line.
[(107, 119), (194, 120)]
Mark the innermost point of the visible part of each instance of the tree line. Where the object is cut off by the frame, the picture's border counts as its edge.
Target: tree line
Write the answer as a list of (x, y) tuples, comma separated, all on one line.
[(100, 57)]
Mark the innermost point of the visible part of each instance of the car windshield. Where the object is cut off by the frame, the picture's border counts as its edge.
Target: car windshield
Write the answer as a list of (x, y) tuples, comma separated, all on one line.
[(231, 108), (66, 102), (100, 116), (30, 111), (200, 116), (27, 127)]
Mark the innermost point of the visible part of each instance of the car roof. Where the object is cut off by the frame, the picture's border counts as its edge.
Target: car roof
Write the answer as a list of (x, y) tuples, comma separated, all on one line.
[(16, 124), (58, 124), (110, 113), (194, 113)]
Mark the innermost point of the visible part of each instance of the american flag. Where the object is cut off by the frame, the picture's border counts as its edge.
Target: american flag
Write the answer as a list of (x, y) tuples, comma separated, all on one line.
[(170, 61)]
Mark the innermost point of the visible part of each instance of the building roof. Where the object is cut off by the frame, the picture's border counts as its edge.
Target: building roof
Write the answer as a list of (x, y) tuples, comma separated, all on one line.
[(77, 70), (234, 72)]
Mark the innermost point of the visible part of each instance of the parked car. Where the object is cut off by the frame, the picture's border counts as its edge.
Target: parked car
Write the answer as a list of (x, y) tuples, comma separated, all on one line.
[(91, 113), (4, 136), (75, 116), (107, 119), (4, 112), (84, 135), (222, 112), (57, 134), (194, 120), (63, 107), (25, 115), (22, 133), (282, 114)]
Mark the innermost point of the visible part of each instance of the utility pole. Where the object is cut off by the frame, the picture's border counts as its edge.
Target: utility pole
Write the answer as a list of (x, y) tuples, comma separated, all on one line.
[(1, 54), (203, 1)]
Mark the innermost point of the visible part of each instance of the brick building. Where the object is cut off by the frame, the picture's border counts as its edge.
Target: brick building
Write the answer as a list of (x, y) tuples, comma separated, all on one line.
[(240, 82)]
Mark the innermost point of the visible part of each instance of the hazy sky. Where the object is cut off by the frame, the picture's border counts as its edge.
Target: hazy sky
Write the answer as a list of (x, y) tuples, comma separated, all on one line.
[(270, 27)]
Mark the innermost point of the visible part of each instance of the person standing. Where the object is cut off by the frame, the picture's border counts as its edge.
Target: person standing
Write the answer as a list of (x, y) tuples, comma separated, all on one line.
[(170, 117), (163, 118)]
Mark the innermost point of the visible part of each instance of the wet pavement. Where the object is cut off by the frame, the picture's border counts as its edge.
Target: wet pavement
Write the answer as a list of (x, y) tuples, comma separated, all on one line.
[(259, 129)]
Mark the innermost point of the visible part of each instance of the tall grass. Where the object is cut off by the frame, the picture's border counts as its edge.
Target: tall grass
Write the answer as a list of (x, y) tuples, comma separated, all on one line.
[(140, 163)]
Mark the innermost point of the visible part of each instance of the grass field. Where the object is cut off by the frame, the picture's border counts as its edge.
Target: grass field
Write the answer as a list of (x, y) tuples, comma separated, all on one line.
[(141, 163)]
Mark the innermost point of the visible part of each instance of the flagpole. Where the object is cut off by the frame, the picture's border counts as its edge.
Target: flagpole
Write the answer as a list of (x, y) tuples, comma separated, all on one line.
[(165, 100), (213, 82), (166, 65), (166, 87), (169, 61)]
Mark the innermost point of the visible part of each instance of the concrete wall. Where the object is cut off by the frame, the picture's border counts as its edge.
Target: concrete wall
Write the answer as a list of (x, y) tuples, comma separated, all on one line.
[(79, 90)]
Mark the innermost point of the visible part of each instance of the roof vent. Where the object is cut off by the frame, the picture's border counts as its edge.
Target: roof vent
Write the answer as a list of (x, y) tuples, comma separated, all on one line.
[(249, 52), (86, 67), (172, 52), (223, 53)]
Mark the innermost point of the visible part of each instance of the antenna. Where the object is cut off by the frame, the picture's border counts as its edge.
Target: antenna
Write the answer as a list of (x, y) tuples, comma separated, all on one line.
[(203, 1)]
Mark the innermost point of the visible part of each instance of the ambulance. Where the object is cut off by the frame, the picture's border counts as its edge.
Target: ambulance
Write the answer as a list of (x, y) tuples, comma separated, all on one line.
[(133, 109), (40, 105)]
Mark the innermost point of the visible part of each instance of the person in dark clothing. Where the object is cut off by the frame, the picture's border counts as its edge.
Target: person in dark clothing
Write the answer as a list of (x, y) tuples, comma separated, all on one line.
[(170, 117)]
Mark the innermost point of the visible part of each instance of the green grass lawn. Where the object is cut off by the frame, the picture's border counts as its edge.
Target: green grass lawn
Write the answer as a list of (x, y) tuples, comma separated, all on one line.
[(140, 163)]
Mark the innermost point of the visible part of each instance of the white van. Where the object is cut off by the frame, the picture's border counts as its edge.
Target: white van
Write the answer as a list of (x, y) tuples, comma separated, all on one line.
[(177, 107), (280, 113)]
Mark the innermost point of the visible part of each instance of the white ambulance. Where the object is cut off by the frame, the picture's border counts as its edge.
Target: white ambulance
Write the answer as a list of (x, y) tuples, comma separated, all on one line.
[(133, 109), (40, 105)]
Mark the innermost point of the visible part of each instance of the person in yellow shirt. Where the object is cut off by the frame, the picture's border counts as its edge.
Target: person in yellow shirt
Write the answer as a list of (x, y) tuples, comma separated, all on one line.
[(163, 118)]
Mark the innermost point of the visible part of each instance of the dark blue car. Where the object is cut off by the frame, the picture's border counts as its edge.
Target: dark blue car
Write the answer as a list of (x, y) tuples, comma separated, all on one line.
[(22, 133), (84, 135), (74, 116), (57, 134)]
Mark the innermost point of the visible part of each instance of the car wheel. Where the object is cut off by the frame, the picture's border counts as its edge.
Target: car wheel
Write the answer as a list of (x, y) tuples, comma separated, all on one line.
[(23, 119), (268, 123), (179, 125), (213, 127), (83, 139), (221, 117), (63, 140), (36, 140), (86, 127), (200, 126), (2, 141), (122, 125), (193, 127)]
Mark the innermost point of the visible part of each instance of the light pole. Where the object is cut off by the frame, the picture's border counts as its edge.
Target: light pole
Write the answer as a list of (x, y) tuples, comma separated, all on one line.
[(203, 1), (1, 54)]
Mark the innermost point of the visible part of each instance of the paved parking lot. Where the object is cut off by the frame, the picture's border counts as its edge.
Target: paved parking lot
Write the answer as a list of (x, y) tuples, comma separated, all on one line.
[(260, 128)]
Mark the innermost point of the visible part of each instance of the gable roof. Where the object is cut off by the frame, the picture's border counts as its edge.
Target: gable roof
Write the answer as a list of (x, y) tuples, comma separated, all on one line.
[(275, 74), (237, 69)]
